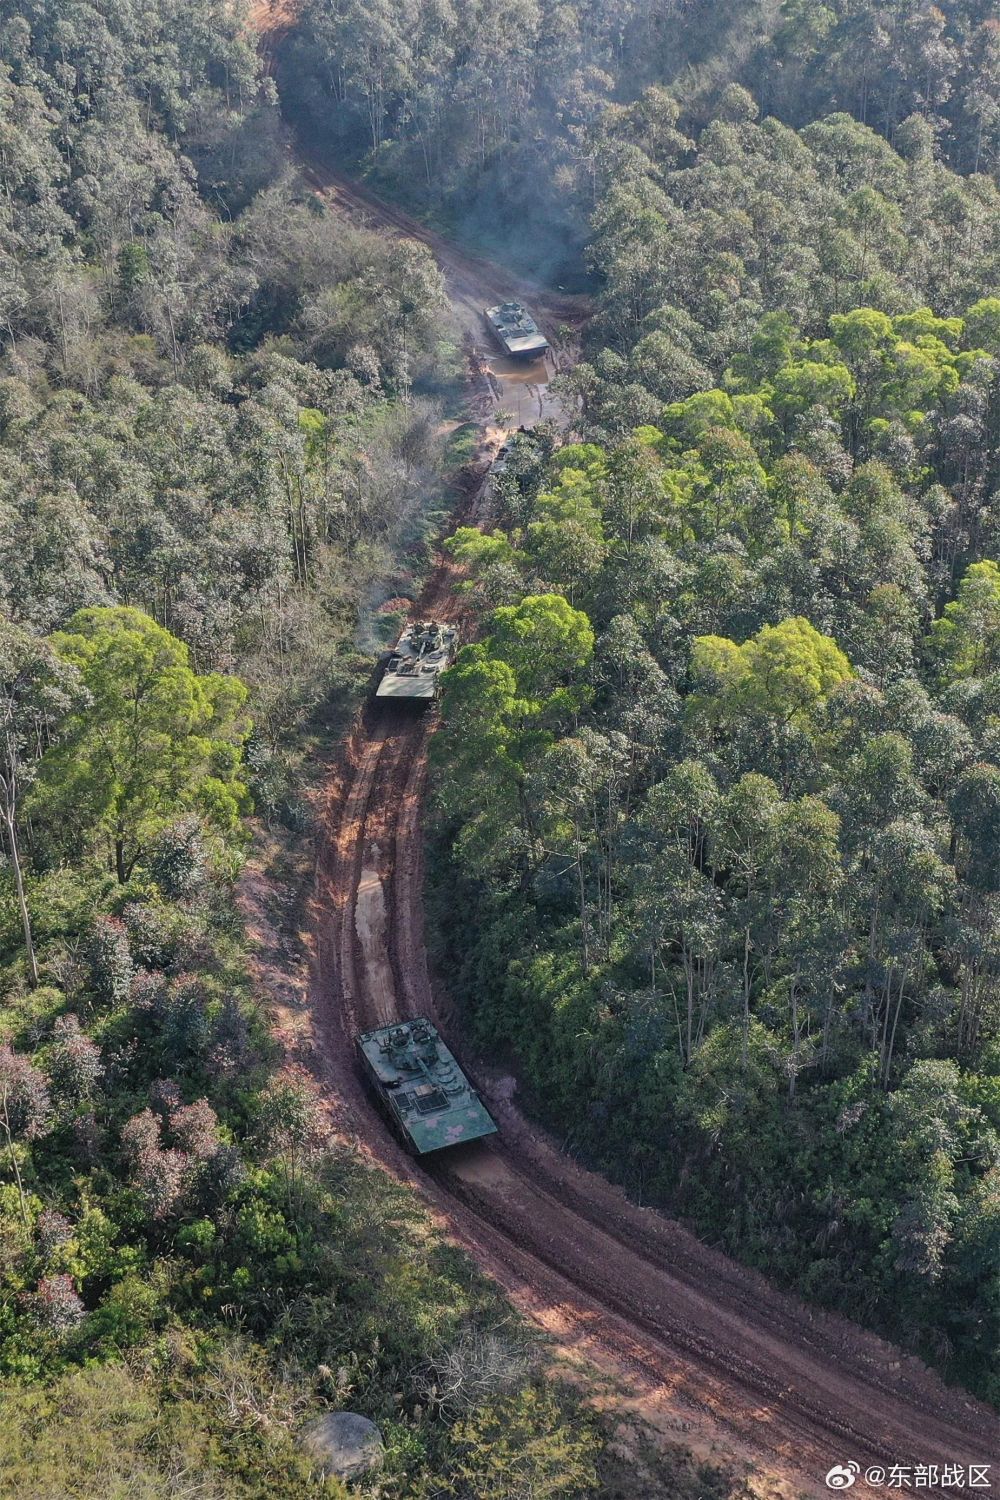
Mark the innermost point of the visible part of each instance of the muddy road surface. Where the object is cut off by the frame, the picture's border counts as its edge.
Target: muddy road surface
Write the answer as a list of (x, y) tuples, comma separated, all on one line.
[(706, 1349), (520, 388), (748, 1371)]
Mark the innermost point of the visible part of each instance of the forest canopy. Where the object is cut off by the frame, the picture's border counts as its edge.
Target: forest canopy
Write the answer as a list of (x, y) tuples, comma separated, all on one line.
[(731, 851), (516, 122), (717, 779), (218, 405)]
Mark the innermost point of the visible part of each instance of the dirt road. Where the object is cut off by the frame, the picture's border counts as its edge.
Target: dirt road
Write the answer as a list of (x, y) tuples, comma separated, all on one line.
[(748, 1371), (733, 1367), (521, 389), (741, 1370)]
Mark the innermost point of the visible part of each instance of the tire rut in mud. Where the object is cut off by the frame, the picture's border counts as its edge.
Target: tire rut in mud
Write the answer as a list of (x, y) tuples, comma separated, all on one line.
[(797, 1387), (777, 1375)]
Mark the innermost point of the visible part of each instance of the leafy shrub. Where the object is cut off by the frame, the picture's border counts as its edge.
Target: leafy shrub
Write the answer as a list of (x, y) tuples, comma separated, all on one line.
[(111, 966), (178, 861)]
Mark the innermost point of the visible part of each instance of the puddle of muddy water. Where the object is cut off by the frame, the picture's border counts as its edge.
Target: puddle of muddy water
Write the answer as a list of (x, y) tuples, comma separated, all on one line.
[(521, 372), (524, 389)]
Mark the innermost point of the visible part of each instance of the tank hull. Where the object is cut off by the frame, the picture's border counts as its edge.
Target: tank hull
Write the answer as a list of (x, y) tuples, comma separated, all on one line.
[(413, 671), (423, 690), (420, 1088), (516, 331)]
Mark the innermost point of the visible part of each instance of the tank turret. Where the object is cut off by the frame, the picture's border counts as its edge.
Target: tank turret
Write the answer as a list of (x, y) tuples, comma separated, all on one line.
[(420, 1088), (418, 658)]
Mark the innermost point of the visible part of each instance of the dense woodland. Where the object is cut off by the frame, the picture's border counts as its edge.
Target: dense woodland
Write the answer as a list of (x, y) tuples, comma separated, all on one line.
[(217, 407), (720, 783), (498, 118), (719, 778)]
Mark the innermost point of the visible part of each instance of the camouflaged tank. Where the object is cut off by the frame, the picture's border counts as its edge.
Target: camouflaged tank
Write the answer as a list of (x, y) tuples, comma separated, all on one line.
[(516, 331), (420, 1088), (417, 661)]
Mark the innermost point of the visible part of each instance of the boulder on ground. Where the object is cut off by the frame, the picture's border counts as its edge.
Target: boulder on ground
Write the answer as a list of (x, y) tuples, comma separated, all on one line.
[(344, 1443)]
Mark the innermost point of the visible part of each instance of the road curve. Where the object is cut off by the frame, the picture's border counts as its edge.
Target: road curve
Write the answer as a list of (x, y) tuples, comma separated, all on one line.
[(792, 1388), (520, 389), (795, 1388)]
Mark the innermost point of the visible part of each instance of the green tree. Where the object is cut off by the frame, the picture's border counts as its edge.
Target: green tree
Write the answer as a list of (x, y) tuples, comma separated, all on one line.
[(808, 383), (982, 325), (966, 639), (934, 1128), (545, 641), (480, 742), (153, 740), (787, 670), (35, 693), (479, 550)]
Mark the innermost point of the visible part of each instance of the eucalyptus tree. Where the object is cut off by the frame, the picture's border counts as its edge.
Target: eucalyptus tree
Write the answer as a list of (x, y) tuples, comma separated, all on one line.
[(37, 690)]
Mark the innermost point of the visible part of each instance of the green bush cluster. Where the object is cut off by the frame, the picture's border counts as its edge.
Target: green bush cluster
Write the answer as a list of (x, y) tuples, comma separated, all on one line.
[(723, 806)]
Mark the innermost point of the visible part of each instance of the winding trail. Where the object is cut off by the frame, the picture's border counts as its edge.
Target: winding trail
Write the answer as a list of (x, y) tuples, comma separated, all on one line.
[(745, 1370), (733, 1367), (518, 388)]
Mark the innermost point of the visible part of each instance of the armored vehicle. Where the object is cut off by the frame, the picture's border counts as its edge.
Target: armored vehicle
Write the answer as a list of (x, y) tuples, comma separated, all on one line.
[(420, 1088), (499, 464), (417, 661), (516, 331)]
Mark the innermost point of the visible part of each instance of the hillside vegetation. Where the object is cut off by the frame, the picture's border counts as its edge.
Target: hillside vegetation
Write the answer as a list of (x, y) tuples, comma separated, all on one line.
[(217, 415), (719, 779), (497, 117), (720, 785), (717, 782)]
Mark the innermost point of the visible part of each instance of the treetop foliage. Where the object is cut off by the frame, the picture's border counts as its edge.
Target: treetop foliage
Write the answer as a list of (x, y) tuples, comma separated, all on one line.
[(217, 437), (716, 781), (735, 889), (151, 740)]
